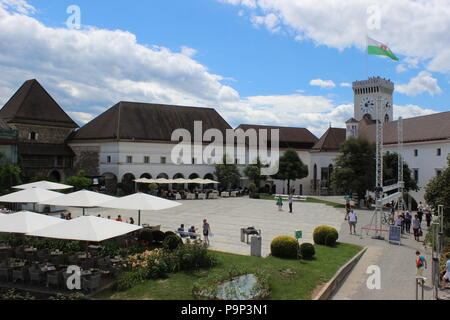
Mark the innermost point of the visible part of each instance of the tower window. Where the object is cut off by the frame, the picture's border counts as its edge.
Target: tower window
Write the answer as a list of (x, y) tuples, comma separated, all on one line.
[(33, 136), (108, 159), (163, 160), (416, 174), (416, 153), (146, 159), (386, 118), (438, 152), (129, 159)]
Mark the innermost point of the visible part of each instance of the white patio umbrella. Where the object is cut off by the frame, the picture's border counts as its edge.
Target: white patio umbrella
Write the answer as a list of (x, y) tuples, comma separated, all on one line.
[(25, 221), (87, 228), (33, 195), (141, 202), (47, 185), (181, 181), (163, 181), (81, 199), (209, 181)]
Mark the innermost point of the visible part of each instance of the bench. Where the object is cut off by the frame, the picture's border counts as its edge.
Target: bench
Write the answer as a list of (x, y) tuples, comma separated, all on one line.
[(188, 235)]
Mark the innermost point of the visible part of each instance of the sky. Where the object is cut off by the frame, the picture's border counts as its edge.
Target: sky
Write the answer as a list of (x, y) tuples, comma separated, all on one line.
[(274, 62)]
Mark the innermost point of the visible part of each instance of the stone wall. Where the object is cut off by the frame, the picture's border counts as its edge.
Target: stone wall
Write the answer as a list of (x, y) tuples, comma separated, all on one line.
[(87, 159), (54, 135)]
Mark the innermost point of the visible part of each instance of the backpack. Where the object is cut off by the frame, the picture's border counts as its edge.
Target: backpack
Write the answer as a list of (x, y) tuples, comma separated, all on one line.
[(420, 262)]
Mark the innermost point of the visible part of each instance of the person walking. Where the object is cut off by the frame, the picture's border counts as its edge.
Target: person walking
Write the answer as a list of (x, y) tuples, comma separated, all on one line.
[(348, 208), (280, 203), (428, 217), (352, 221), (420, 211), (421, 264), (408, 221), (291, 202), (206, 231), (399, 222), (416, 227)]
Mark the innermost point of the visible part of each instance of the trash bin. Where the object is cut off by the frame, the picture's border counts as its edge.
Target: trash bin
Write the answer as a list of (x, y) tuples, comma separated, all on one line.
[(242, 234), (256, 246)]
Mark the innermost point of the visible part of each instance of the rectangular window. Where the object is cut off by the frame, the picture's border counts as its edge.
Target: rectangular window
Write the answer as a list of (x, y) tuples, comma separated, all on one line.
[(416, 174), (163, 160), (416, 153), (438, 152), (129, 159), (147, 160), (438, 172), (108, 159)]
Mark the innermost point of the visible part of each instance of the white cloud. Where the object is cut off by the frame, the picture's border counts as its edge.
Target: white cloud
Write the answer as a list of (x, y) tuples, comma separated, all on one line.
[(413, 28), (346, 84), (322, 83), (82, 117), (20, 6), (87, 71), (410, 111), (423, 82)]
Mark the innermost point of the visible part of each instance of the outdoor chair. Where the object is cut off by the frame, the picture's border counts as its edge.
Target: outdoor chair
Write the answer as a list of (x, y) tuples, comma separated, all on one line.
[(36, 275), (92, 283), (5, 273), (21, 274), (202, 196), (54, 279)]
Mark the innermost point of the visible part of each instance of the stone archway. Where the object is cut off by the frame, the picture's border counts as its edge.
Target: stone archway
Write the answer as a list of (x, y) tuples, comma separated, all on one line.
[(128, 185), (55, 176), (192, 186), (143, 187), (163, 176), (110, 183), (209, 176), (178, 186)]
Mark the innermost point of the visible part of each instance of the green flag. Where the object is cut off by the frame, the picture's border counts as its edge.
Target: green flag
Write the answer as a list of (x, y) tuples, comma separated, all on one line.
[(380, 49)]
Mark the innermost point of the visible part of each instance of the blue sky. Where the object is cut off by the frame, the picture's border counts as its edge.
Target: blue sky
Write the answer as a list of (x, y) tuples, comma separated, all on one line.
[(254, 61)]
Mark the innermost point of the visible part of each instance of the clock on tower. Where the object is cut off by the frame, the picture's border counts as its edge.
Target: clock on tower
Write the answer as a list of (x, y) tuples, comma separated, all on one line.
[(367, 97)]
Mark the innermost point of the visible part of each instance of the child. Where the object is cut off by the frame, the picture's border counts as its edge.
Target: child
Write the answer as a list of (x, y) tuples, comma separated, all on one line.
[(280, 204)]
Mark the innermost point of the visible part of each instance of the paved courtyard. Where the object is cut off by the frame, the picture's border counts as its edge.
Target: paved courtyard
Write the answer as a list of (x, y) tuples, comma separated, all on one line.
[(228, 216)]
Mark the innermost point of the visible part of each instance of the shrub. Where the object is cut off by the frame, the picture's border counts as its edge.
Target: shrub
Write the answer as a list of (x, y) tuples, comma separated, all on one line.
[(255, 196), (194, 257), (307, 251), (325, 235), (252, 188), (158, 236), (169, 233), (172, 242), (146, 235), (127, 280), (284, 247)]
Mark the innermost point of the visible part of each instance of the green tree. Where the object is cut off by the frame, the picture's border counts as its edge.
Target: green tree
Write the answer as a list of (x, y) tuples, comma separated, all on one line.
[(355, 167), (253, 172), (437, 192), (228, 175), (9, 176), (79, 181), (291, 168), (390, 172)]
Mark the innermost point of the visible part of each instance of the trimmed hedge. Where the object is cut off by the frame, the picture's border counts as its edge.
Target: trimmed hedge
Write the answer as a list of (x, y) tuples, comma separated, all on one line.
[(158, 236), (146, 235), (325, 235), (284, 247), (172, 242), (169, 233), (307, 250)]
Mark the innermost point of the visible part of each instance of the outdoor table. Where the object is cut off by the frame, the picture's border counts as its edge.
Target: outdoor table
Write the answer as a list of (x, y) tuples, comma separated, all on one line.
[(56, 253), (30, 250), (5, 248)]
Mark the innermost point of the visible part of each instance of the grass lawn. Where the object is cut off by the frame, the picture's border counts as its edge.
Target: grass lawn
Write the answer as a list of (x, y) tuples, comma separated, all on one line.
[(309, 200), (297, 284)]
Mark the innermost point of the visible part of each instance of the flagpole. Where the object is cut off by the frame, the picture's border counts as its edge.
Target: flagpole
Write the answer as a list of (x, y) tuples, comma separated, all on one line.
[(367, 57)]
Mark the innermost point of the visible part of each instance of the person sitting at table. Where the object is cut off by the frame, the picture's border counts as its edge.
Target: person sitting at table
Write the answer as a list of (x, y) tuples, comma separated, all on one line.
[(69, 216), (119, 219), (109, 217), (131, 220), (182, 231), (62, 216), (192, 231)]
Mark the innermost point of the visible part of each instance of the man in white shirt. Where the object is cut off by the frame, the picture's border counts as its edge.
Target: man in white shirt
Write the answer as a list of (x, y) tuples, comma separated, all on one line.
[(352, 220)]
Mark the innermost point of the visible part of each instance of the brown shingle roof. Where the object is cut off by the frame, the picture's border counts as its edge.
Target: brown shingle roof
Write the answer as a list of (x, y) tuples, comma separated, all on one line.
[(148, 122), (290, 137), (331, 140), (418, 129), (32, 104)]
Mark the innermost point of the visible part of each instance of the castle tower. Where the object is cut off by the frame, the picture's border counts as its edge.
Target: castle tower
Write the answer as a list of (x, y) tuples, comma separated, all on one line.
[(366, 94)]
